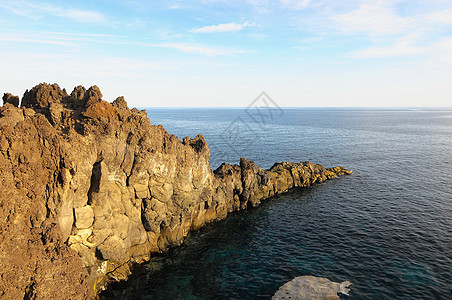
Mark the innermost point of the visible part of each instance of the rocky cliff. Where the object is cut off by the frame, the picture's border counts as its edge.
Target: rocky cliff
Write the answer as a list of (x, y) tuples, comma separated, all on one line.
[(91, 187)]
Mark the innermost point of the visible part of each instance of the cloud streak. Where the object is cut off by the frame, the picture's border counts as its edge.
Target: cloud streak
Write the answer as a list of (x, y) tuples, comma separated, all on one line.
[(33, 11), (197, 49), (226, 27), (36, 41)]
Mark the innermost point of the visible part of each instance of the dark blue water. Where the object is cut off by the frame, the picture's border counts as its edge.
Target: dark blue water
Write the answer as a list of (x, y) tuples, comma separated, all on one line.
[(387, 228)]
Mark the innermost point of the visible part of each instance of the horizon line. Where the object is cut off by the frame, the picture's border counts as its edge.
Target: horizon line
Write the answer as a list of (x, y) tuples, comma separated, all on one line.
[(297, 107)]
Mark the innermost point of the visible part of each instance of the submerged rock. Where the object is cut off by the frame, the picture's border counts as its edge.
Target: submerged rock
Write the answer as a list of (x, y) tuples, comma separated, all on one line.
[(310, 287), (112, 187)]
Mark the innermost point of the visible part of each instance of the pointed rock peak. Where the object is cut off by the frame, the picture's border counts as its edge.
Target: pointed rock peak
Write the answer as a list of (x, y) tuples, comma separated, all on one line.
[(78, 93), (42, 95), (198, 143), (120, 103), (92, 95), (245, 163)]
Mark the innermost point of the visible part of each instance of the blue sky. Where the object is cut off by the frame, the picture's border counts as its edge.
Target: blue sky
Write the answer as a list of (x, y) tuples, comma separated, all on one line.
[(224, 53)]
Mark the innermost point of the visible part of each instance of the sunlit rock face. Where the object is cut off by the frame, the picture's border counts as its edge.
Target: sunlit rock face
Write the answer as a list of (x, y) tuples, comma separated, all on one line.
[(109, 189), (310, 287)]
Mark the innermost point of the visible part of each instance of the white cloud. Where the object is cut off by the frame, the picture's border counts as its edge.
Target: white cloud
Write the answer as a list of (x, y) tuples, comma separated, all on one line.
[(296, 4), (419, 33), (398, 49), (197, 49), (375, 18), (82, 34), (267, 6), (438, 52), (443, 50), (59, 38), (443, 16), (227, 27), (32, 10), (85, 16), (4, 38)]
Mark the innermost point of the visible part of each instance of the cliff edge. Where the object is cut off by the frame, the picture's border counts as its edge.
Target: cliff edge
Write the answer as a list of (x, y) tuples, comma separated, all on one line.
[(91, 187)]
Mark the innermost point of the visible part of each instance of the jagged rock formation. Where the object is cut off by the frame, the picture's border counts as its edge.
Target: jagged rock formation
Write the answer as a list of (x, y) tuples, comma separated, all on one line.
[(11, 99), (91, 187), (310, 287)]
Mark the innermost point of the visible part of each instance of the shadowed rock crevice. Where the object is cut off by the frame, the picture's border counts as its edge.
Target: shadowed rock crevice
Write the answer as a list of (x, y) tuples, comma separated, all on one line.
[(113, 189), (95, 181)]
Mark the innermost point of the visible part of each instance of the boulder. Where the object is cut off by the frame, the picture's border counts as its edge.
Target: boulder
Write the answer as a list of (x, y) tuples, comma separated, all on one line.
[(310, 287), (100, 109)]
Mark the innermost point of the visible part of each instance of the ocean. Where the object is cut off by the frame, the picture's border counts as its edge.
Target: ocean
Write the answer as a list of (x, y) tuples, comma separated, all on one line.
[(387, 228)]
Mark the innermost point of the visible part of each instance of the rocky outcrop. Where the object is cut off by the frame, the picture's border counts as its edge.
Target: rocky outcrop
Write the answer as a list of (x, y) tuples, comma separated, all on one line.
[(11, 99), (310, 287), (91, 187)]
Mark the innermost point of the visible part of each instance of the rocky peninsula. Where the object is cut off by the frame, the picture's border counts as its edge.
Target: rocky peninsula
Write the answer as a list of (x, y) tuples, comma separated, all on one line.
[(90, 188)]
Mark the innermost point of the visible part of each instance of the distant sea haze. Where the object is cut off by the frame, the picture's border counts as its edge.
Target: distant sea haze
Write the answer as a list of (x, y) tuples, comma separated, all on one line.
[(387, 228)]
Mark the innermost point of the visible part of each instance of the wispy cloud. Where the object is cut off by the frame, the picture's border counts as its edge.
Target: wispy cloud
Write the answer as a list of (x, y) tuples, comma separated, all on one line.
[(397, 50), (226, 27), (374, 19), (33, 10), (443, 16), (85, 16), (393, 34), (296, 4), (71, 41), (267, 6), (197, 49), (4, 38), (437, 52), (82, 34)]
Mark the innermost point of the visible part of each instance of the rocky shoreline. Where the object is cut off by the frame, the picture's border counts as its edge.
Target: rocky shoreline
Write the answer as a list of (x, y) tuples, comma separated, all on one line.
[(91, 187)]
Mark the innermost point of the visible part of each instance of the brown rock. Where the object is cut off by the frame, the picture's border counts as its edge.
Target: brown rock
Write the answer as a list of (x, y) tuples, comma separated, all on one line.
[(113, 248), (42, 95), (120, 103), (101, 109), (8, 98), (84, 217), (115, 187), (79, 93), (92, 95)]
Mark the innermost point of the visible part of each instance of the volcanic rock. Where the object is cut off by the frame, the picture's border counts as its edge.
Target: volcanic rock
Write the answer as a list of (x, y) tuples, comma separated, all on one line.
[(90, 188), (8, 98), (310, 287)]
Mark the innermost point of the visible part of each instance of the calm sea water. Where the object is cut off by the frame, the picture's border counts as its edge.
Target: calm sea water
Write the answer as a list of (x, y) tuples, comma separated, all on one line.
[(387, 228)]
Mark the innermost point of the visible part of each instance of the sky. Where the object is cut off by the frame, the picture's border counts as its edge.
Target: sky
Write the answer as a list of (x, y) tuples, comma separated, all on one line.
[(218, 53)]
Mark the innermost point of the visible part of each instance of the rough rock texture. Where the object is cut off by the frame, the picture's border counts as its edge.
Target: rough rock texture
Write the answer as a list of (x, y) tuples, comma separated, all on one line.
[(8, 98), (310, 287), (89, 188)]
